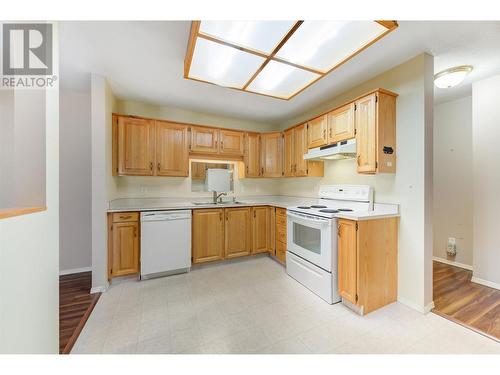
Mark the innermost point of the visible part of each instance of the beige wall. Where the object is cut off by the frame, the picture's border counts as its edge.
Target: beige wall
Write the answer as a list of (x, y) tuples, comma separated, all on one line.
[(452, 178), (409, 187), (486, 180)]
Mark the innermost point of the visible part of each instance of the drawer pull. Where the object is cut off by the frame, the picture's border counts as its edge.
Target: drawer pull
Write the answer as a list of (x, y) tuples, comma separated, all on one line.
[(125, 217)]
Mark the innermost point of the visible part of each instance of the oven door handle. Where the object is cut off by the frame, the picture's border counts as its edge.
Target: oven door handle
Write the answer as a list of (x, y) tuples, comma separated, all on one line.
[(307, 217)]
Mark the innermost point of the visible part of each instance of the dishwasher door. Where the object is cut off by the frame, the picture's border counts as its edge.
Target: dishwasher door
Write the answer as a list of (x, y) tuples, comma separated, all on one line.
[(165, 243)]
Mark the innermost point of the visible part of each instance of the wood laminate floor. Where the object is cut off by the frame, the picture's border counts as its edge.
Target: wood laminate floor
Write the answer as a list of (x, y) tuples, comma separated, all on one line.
[(75, 305), (457, 298)]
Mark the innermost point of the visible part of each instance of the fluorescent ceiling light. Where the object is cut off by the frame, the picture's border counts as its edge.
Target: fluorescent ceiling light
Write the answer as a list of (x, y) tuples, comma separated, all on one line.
[(451, 77), (275, 58)]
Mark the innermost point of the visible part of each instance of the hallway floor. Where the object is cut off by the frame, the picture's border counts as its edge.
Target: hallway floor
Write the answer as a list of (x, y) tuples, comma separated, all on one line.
[(253, 306), (457, 298)]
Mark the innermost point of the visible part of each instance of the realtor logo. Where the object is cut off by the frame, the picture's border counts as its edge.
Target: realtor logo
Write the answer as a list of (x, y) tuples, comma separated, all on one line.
[(27, 49)]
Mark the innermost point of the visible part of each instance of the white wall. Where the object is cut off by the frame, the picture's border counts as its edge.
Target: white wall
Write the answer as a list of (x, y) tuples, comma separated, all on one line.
[(75, 180), (486, 179), (453, 179), (29, 247), (410, 187)]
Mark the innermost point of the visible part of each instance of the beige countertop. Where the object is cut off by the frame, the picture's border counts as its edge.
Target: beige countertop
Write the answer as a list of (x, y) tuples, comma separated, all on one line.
[(158, 204)]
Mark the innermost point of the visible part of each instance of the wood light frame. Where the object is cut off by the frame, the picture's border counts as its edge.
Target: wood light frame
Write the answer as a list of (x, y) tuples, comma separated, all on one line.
[(195, 34)]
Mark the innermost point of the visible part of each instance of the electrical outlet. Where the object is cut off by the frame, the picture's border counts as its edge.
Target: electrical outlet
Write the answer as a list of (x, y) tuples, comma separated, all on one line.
[(451, 249)]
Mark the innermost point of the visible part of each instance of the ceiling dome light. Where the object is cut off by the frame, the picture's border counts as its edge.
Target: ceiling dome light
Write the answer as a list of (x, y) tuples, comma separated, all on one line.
[(452, 76)]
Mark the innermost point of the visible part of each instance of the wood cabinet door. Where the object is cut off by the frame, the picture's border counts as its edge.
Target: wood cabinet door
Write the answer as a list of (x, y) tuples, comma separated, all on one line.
[(366, 129), (136, 146), (300, 148), (272, 160), (172, 155), (204, 140), (288, 153), (207, 235), (261, 229), (231, 142), (125, 248), (347, 260), (272, 230), (341, 124), (316, 132), (252, 155), (238, 232)]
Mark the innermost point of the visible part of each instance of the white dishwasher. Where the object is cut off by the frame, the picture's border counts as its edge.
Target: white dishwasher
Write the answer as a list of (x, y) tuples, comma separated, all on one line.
[(165, 243)]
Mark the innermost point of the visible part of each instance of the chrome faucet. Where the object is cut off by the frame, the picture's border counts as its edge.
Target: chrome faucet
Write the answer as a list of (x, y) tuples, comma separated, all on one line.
[(218, 196)]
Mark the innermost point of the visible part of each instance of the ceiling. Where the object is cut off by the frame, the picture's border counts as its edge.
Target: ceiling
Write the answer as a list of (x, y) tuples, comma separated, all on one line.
[(144, 61)]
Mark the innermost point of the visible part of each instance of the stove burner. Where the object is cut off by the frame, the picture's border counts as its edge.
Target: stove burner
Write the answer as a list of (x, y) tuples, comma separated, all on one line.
[(329, 211), (345, 209), (318, 206), (304, 207)]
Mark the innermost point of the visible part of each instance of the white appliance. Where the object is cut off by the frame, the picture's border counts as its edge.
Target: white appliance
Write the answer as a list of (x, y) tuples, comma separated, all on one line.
[(311, 256), (165, 243), (340, 150)]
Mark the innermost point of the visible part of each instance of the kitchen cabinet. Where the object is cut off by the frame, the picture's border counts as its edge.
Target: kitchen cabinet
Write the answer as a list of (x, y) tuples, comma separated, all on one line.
[(367, 263), (375, 122), (204, 140), (317, 132), (207, 235), (123, 244), (198, 170), (238, 232), (172, 157), (341, 124), (295, 146), (272, 229), (281, 238), (231, 142), (261, 229), (271, 153), (134, 140), (252, 157)]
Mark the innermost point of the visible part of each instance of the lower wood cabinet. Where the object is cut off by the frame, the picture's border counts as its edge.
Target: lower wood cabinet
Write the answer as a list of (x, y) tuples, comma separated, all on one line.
[(281, 238), (123, 244), (207, 235), (224, 233), (238, 229), (367, 263)]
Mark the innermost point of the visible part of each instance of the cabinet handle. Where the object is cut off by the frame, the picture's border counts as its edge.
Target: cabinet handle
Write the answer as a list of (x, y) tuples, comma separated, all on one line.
[(158, 166), (262, 171), (125, 217), (357, 159), (135, 232), (330, 133), (216, 142), (222, 144), (151, 166), (247, 169), (220, 216), (324, 133)]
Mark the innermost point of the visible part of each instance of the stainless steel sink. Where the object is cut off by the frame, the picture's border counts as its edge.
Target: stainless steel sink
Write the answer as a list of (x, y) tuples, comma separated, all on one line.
[(217, 204)]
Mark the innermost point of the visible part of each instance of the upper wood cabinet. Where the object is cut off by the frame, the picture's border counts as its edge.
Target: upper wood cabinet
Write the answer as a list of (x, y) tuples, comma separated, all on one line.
[(238, 232), (207, 235), (295, 146), (171, 149), (341, 124), (252, 155), (261, 228), (231, 142), (204, 140), (289, 152), (317, 132), (271, 152), (375, 121), (367, 262), (134, 139)]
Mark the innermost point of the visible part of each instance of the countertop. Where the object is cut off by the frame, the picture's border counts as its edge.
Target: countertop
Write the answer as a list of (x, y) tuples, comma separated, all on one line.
[(381, 210)]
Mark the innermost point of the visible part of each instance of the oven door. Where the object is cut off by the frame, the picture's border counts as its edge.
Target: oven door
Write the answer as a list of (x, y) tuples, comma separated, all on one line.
[(310, 237)]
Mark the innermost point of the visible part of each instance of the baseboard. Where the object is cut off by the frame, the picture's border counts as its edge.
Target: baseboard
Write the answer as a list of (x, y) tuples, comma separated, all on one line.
[(75, 270), (414, 306), (99, 289), (452, 263), (490, 284)]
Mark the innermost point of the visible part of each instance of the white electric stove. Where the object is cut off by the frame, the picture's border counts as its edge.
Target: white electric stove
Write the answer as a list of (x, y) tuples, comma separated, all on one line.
[(311, 256)]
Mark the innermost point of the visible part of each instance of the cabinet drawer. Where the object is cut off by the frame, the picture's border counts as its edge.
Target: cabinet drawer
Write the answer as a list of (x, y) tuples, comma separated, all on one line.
[(281, 251), (281, 211), (125, 216)]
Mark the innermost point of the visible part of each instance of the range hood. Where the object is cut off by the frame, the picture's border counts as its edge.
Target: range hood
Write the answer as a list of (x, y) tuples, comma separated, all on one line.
[(339, 150)]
